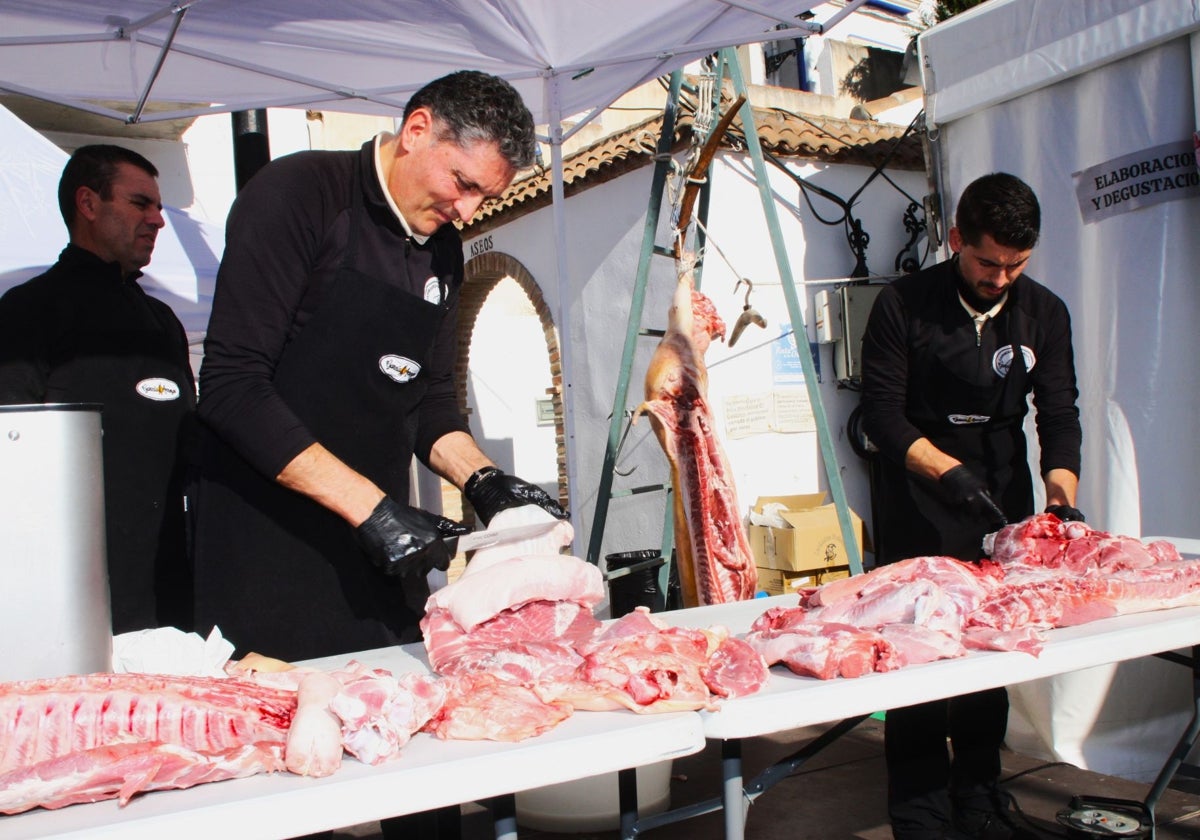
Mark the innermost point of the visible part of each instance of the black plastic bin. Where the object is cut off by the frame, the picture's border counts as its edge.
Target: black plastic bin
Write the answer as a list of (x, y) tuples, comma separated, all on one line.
[(639, 588)]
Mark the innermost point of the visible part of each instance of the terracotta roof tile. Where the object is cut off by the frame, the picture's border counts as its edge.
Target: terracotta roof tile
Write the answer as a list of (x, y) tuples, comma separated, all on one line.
[(783, 134)]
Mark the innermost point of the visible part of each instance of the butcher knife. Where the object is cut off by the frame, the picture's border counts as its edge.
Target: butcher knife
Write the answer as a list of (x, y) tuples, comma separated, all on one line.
[(498, 536)]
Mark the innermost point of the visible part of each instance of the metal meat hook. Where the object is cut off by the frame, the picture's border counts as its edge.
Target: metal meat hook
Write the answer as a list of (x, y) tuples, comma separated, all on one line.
[(749, 314)]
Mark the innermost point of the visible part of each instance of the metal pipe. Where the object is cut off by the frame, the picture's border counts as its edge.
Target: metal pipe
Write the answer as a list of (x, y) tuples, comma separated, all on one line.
[(251, 146)]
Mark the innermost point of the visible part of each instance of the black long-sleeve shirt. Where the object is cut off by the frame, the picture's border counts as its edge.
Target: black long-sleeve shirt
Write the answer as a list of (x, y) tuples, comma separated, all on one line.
[(924, 307), (285, 239), (84, 333)]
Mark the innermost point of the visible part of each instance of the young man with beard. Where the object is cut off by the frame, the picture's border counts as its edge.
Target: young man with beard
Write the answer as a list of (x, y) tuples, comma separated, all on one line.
[(950, 355)]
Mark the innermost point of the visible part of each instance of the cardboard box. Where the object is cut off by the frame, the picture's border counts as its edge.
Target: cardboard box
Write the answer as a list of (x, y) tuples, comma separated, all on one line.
[(812, 538), (780, 582)]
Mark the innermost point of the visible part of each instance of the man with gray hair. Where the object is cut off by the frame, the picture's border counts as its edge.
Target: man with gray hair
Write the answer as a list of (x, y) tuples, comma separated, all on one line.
[(329, 364)]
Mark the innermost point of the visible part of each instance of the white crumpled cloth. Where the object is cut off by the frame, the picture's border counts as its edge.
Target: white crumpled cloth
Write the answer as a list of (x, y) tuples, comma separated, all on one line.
[(168, 650)]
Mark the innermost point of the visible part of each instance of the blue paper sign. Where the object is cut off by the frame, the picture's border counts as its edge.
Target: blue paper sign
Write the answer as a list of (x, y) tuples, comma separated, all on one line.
[(786, 367)]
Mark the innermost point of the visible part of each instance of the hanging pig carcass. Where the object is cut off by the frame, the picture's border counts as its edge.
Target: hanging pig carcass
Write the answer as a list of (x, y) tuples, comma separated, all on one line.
[(715, 563)]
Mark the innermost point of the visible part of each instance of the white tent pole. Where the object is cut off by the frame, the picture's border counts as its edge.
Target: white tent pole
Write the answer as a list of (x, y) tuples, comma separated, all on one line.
[(845, 12), (171, 9), (566, 357), (158, 63), (670, 56), (1194, 40)]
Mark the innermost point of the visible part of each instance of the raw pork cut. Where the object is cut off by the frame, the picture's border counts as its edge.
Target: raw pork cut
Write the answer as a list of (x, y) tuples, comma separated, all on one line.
[(1057, 574), (380, 713), (819, 649), (51, 718), (551, 542), (505, 584), (86, 738), (640, 663), (533, 642), (314, 740), (556, 652), (480, 707), (715, 562), (122, 770), (1043, 573)]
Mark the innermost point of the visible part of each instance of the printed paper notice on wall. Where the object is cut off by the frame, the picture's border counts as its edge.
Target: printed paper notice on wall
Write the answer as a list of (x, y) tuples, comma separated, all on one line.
[(793, 411), (784, 412), (747, 414)]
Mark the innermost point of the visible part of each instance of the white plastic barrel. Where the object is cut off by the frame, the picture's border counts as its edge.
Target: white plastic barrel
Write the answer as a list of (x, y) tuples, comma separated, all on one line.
[(54, 604), (593, 804)]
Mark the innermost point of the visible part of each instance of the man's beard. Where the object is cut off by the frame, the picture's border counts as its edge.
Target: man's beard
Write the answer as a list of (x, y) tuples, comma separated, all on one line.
[(978, 303)]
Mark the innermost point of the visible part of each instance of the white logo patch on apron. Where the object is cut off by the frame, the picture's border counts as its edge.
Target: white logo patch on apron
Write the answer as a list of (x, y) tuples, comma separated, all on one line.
[(399, 368), (967, 419), (433, 291), (157, 389), (1002, 360)]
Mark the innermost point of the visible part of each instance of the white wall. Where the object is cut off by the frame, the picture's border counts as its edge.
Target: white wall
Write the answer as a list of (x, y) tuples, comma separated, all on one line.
[(509, 371)]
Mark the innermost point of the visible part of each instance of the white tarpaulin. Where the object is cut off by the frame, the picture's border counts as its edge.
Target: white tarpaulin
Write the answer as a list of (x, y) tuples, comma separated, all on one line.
[(564, 56), (1003, 49), (186, 255), (1093, 104)]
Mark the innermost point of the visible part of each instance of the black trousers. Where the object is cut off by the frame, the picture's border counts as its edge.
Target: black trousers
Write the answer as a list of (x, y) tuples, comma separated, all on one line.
[(924, 774)]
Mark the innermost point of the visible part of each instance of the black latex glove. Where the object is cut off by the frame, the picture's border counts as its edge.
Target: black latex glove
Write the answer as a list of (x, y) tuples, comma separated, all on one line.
[(490, 490), (402, 540), (1066, 513), (969, 491)]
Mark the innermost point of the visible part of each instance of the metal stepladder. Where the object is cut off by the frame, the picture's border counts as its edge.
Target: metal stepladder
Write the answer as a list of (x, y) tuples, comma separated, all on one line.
[(727, 59)]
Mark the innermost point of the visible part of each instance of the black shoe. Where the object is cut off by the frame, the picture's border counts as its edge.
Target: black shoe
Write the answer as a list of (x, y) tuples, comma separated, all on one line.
[(988, 815)]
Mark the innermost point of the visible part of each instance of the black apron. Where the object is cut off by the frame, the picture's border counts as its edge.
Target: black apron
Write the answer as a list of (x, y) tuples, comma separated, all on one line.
[(967, 411), (135, 365), (278, 573)]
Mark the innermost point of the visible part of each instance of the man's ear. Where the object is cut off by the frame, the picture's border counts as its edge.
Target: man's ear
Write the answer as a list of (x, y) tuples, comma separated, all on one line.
[(418, 127), (87, 203), (955, 239)]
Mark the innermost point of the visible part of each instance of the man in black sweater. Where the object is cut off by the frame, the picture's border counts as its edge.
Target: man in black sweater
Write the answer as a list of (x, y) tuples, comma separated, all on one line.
[(950, 355), (86, 332)]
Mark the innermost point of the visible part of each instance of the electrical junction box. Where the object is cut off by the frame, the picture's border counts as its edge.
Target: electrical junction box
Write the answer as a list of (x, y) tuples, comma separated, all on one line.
[(823, 322), (856, 302)]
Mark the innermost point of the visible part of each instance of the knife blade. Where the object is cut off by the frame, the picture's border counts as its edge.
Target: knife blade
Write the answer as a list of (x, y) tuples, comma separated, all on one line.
[(497, 536)]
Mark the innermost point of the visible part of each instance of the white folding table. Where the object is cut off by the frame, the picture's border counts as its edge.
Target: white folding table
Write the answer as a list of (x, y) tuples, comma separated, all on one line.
[(430, 773), (789, 701)]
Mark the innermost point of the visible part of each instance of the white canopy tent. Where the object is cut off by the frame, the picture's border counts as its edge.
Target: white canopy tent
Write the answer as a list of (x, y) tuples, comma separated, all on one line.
[(361, 55), (1094, 104), (567, 58), (182, 272)]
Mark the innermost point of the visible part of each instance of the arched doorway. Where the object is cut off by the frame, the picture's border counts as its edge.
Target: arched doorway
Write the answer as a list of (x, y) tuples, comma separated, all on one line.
[(498, 280)]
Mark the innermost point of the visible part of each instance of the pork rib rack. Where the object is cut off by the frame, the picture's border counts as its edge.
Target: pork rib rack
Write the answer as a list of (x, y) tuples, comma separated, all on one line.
[(85, 738)]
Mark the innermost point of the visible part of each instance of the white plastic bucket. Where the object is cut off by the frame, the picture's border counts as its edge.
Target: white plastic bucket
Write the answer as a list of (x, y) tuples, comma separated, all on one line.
[(54, 610), (592, 804)]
